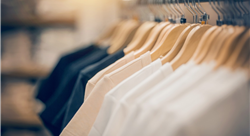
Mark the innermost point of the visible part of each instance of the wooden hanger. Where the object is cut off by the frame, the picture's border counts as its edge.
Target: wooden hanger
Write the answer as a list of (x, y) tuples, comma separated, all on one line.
[(189, 46), (203, 42), (226, 50), (140, 37), (167, 41), (200, 55), (160, 38), (217, 43), (107, 35), (118, 32), (243, 60), (126, 36), (178, 44), (153, 36), (240, 46)]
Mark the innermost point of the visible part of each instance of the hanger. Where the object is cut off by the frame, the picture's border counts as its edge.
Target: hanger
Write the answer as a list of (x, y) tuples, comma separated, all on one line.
[(140, 36), (211, 39), (151, 39), (189, 46), (204, 43), (190, 43), (243, 44), (169, 36), (155, 34), (109, 34), (228, 46), (127, 33), (179, 42), (217, 42), (168, 41)]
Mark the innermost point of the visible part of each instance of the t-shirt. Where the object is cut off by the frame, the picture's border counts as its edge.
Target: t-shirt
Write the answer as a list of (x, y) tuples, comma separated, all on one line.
[(112, 98), (85, 117), (92, 82), (48, 85), (121, 111), (175, 80), (62, 93), (77, 96), (220, 108)]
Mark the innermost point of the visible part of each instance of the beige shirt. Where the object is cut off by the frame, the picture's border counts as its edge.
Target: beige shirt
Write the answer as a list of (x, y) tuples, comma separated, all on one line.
[(82, 122), (92, 82)]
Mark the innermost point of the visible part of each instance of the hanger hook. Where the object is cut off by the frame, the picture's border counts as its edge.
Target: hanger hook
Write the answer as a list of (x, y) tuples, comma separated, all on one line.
[(188, 8), (172, 11), (220, 8), (196, 7), (196, 15), (203, 10), (178, 4), (242, 7), (166, 11), (236, 9), (210, 3), (177, 9)]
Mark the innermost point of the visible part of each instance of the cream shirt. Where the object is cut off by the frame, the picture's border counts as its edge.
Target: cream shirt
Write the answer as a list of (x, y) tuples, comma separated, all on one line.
[(92, 82), (128, 100), (85, 117), (112, 98)]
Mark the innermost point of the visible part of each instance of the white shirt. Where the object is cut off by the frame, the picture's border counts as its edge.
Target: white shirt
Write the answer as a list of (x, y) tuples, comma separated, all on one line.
[(112, 98), (127, 101), (162, 116), (220, 108), (85, 117), (196, 73), (161, 126)]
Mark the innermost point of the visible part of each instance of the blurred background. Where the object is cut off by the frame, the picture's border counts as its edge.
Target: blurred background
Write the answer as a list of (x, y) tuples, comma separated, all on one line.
[(34, 34)]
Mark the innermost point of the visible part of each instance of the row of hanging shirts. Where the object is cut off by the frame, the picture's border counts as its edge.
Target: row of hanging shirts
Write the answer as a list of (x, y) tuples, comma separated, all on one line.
[(161, 77)]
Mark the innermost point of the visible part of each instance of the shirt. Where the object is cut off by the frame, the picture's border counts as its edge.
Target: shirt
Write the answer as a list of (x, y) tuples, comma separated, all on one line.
[(220, 109), (62, 93), (112, 98), (85, 117), (92, 82), (124, 105), (77, 96), (169, 83), (48, 85)]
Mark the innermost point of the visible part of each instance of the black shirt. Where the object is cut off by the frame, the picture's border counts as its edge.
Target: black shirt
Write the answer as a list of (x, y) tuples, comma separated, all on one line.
[(60, 95), (48, 86), (77, 96)]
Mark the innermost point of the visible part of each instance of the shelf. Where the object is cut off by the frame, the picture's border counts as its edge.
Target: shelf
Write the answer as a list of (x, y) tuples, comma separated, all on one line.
[(36, 21)]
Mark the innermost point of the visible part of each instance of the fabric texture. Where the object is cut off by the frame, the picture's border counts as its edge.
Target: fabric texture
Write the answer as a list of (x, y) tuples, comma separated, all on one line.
[(77, 96), (112, 98), (85, 117), (52, 114), (92, 82)]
